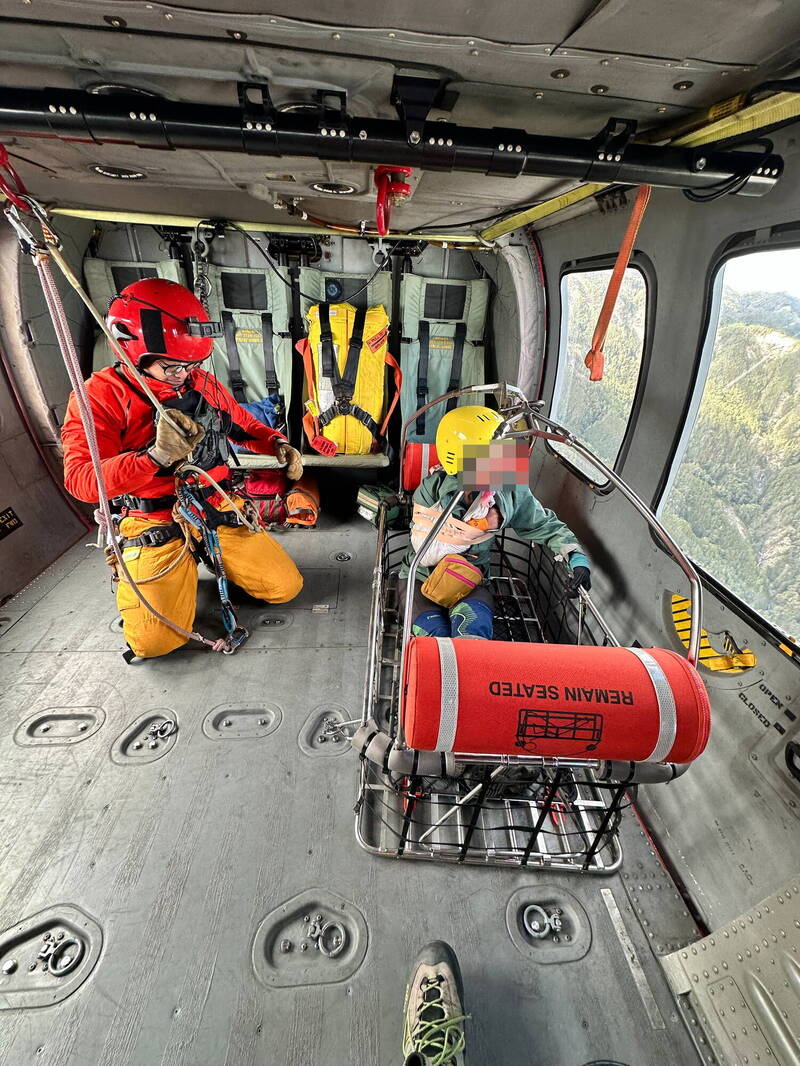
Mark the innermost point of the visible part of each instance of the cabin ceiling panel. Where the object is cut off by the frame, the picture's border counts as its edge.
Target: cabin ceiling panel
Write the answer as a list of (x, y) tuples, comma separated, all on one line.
[(714, 30), (193, 56), (520, 21), (513, 59)]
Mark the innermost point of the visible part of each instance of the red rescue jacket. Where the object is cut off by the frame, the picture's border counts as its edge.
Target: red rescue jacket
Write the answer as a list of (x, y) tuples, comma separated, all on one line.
[(125, 426)]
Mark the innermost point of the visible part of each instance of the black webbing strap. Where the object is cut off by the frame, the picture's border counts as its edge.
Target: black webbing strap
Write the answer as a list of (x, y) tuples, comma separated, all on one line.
[(148, 504), (347, 381), (546, 809), (153, 331), (347, 407), (343, 385), (234, 366), (458, 358), (153, 537), (422, 371), (326, 353), (270, 376), (477, 807)]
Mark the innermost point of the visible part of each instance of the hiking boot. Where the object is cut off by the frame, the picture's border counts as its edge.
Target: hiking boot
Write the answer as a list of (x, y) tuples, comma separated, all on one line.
[(433, 1027)]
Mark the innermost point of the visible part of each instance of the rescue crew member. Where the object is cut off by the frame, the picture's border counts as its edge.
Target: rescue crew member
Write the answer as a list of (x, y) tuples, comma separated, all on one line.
[(502, 467), (167, 334)]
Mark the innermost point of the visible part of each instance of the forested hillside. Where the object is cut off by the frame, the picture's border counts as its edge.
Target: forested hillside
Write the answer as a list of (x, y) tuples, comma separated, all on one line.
[(735, 502)]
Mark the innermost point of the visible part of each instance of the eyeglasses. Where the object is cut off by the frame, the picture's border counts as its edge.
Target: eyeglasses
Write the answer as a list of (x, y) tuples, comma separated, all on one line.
[(174, 368)]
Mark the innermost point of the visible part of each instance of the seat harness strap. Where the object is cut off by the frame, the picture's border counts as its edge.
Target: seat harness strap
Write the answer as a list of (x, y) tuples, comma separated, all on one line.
[(234, 366), (343, 384), (270, 375), (456, 364), (422, 371)]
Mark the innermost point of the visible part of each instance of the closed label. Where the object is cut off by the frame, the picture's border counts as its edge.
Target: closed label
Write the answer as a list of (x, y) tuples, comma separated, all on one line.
[(440, 342), (9, 521)]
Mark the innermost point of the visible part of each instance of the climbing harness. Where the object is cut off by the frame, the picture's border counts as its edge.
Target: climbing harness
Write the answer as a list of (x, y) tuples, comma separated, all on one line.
[(595, 358), (42, 250)]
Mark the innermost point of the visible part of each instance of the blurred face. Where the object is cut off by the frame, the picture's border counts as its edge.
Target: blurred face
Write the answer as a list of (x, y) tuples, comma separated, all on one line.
[(500, 464)]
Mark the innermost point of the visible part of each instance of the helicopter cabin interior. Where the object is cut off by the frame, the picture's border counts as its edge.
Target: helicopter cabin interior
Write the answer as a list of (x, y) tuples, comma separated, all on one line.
[(582, 215)]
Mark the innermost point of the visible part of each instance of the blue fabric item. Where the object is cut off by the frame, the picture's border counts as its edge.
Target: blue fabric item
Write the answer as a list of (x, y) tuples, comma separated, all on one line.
[(431, 624), (472, 618), (579, 559), (268, 410)]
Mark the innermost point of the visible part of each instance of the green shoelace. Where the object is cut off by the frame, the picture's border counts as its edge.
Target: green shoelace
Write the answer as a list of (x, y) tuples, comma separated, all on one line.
[(438, 1038)]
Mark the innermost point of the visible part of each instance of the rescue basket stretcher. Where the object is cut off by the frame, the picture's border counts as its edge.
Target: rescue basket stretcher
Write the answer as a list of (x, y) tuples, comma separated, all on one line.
[(464, 758)]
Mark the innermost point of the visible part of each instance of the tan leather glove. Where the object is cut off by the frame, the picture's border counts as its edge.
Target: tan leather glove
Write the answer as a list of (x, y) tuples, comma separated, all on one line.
[(172, 444), (285, 453)]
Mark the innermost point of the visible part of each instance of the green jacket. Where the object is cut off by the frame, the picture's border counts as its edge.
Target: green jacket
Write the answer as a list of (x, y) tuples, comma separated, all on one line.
[(519, 510)]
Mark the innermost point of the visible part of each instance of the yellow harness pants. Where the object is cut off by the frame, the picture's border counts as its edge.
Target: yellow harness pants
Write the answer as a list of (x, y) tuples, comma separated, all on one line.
[(253, 561)]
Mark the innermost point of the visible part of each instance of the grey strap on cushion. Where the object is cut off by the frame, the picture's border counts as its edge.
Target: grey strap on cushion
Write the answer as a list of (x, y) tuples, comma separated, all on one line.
[(234, 366), (270, 375), (422, 370)]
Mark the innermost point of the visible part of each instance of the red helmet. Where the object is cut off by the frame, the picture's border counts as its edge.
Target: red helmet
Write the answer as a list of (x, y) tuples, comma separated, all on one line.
[(159, 317)]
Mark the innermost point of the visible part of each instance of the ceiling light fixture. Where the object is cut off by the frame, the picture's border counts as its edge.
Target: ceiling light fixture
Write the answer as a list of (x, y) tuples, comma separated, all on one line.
[(110, 88), (333, 188), (118, 173)]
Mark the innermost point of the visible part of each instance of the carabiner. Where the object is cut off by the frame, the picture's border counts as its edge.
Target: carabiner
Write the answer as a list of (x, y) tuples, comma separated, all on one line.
[(235, 640), (28, 242)]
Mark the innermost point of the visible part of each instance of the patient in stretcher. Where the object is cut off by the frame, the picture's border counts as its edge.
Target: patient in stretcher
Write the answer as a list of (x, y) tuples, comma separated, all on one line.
[(451, 596)]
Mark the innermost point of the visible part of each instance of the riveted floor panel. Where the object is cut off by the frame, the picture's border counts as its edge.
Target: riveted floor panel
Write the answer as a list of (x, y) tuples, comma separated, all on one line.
[(743, 981), (181, 859)]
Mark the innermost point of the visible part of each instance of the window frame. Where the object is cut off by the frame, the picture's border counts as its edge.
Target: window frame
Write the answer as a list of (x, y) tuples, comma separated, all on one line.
[(785, 235), (644, 265)]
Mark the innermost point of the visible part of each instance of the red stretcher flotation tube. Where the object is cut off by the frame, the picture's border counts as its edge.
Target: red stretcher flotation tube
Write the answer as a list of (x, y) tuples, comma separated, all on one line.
[(553, 700)]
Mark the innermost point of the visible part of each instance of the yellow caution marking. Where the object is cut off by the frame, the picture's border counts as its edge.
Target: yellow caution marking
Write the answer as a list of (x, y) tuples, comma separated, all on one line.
[(727, 120), (725, 662)]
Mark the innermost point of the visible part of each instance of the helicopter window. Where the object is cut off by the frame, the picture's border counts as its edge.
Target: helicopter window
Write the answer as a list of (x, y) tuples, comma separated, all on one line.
[(733, 495), (598, 412), (244, 292)]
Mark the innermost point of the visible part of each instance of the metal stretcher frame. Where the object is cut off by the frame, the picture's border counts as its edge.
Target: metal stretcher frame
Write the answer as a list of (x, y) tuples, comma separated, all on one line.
[(515, 810)]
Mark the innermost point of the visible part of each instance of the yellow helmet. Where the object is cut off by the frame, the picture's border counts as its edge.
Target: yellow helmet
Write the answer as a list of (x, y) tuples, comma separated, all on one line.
[(464, 425)]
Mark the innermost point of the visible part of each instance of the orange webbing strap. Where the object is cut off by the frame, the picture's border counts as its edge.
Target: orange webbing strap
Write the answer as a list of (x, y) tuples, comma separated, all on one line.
[(398, 381), (594, 357), (310, 424)]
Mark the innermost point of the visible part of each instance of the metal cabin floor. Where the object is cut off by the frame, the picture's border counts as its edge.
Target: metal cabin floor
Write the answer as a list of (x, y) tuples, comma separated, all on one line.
[(178, 860)]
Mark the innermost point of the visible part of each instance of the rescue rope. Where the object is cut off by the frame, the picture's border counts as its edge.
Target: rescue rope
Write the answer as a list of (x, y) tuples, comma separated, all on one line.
[(595, 358)]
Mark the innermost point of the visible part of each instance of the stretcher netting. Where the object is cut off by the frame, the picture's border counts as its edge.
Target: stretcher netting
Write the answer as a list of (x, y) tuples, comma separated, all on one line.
[(526, 797)]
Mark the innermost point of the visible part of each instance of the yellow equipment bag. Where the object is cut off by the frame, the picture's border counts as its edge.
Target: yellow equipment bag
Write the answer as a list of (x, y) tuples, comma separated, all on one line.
[(344, 359), (451, 580)]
